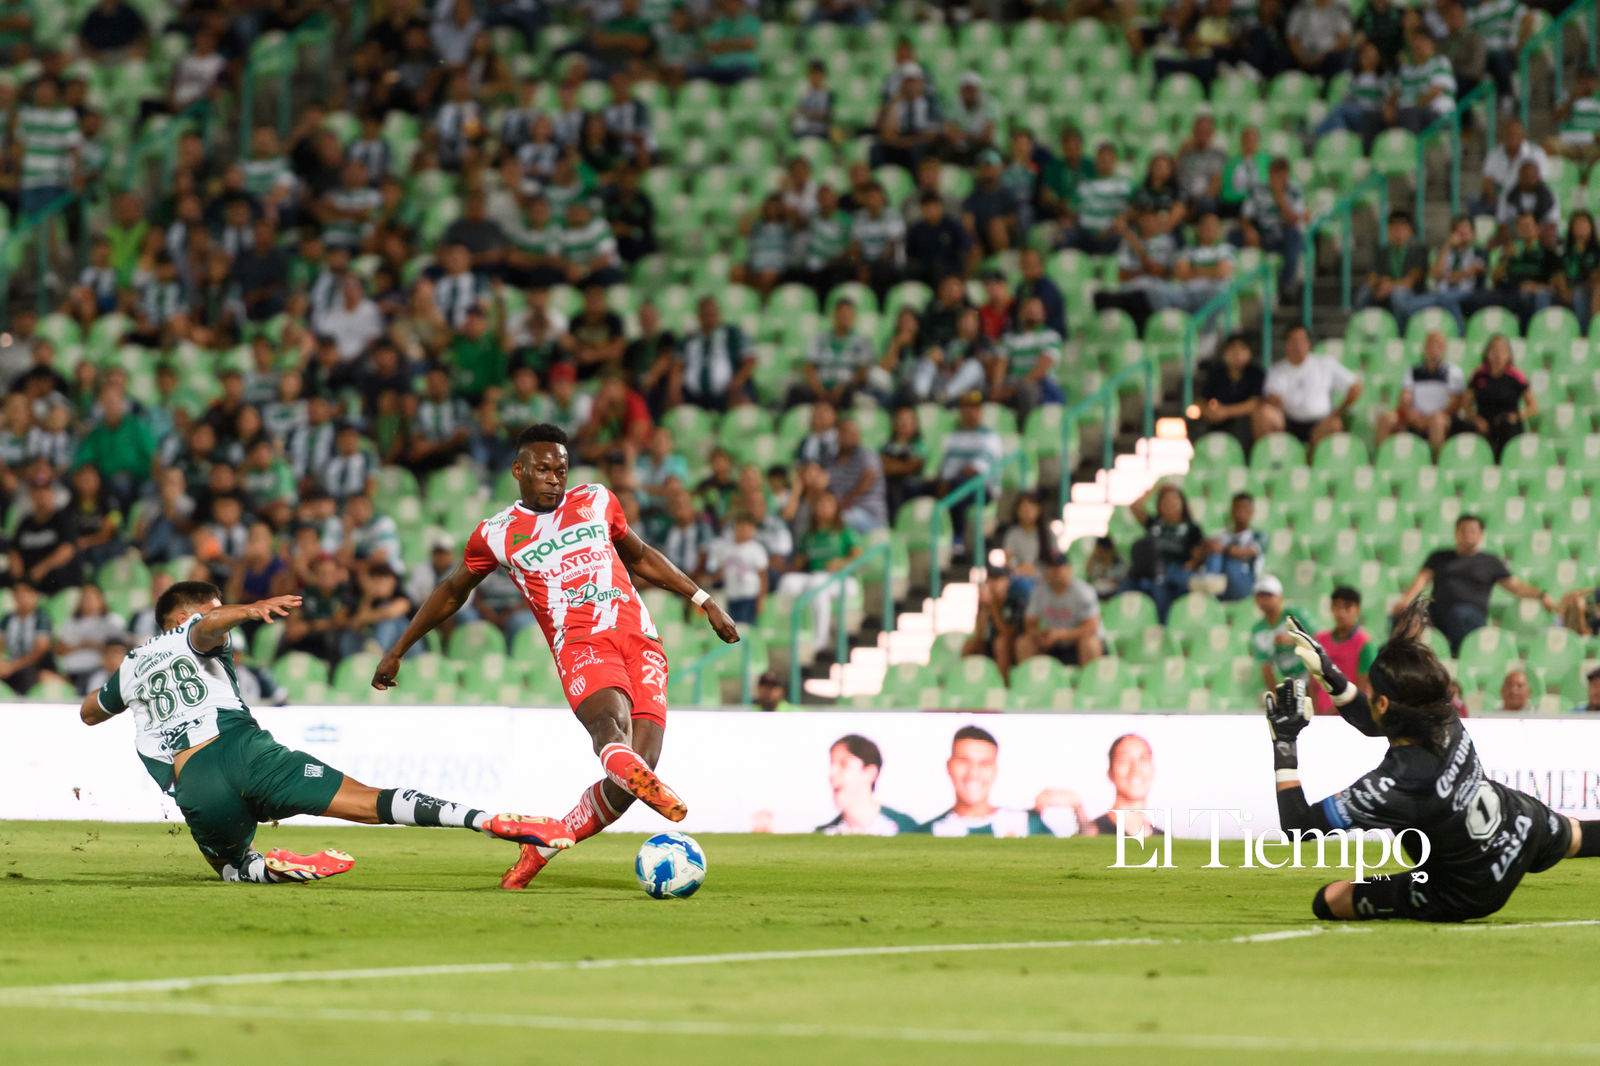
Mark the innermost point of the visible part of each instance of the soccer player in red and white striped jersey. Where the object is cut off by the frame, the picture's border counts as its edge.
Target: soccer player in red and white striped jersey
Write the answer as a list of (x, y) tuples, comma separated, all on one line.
[(570, 552)]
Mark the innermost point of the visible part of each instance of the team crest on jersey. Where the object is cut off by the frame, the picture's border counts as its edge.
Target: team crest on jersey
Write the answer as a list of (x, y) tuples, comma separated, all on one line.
[(588, 514)]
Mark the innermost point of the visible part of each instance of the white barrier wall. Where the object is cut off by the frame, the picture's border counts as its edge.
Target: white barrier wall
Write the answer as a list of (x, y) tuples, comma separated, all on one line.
[(744, 771)]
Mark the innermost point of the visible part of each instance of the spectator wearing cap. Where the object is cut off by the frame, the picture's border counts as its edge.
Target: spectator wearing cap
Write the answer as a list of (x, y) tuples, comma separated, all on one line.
[(1273, 218), (1001, 604), (1462, 578), (1300, 390), (973, 117), (1592, 704), (1102, 209), (910, 125), (717, 361), (971, 450), (991, 213), (1062, 618), (1432, 396), (1270, 643), (770, 694)]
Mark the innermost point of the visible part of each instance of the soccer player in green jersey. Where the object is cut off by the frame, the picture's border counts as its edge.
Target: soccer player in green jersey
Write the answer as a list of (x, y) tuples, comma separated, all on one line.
[(196, 737)]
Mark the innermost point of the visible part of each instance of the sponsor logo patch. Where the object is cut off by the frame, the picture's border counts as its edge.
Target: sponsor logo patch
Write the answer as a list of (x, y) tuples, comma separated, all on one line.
[(518, 538), (540, 550), (313, 770)]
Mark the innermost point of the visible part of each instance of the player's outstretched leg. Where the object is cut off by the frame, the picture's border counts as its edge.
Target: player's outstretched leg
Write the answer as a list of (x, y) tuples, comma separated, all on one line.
[(603, 802), (356, 802), (628, 759)]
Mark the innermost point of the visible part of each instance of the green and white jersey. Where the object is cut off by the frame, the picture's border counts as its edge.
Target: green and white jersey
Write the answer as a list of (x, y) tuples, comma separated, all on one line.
[(838, 358), (1582, 123), (263, 176), (978, 450), (1002, 823), (350, 232), (1498, 22), (887, 822), (1206, 256), (544, 241), (519, 411), (179, 697), (1436, 73), (1101, 200), (769, 246), (1022, 350), (48, 136), (1264, 647), (881, 237), (826, 239), (589, 245)]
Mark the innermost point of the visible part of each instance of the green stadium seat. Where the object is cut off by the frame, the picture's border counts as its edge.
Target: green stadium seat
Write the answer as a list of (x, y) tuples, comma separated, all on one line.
[(1464, 458), (1109, 684), (1486, 654), (1394, 153), (1430, 320), (1128, 613), (1487, 322), (1401, 459), (1276, 451), (1551, 326)]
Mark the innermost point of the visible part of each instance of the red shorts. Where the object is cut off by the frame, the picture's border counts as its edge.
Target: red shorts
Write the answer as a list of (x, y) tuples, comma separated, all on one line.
[(615, 658)]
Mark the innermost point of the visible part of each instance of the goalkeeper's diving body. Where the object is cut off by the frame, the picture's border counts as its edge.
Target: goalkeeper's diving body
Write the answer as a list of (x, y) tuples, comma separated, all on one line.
[(198, 740), (1483, 836)]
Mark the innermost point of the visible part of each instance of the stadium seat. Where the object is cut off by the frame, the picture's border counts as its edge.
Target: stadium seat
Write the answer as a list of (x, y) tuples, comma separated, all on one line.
[(1276, 451), (1486, 654)]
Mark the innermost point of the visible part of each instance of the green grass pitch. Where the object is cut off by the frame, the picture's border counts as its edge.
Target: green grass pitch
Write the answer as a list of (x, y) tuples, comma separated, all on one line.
[(91, 903)]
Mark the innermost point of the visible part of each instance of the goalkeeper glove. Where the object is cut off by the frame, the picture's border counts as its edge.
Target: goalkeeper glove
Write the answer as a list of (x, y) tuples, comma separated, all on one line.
[(1321, 667), (1288, 712)]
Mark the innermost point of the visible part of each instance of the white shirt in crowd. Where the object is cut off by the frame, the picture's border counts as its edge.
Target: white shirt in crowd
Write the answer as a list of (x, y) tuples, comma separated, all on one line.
[(741, 564), (1308, 390)]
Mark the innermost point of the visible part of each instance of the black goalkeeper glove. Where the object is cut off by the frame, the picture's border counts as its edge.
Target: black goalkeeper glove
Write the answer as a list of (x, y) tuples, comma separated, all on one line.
[(1312, 653), (1288, 712)]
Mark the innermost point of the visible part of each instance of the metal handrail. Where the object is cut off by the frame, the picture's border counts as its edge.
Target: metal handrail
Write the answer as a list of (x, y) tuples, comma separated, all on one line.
[(697, 669), (976, 485), (1539, 40), (1485, 93), (1340, 213), (876, 553), (1262, 275)]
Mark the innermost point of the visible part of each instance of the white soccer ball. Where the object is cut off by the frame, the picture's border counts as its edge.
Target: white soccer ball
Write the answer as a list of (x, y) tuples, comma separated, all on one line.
[(670, 866)]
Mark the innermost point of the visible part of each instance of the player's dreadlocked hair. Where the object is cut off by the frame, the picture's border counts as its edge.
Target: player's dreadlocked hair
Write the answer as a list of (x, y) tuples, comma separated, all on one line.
[(185, 594), (541, 433), (1413, 679)]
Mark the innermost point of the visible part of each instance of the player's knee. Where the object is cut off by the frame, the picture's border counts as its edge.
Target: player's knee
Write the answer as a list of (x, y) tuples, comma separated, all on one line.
[(1319, 905), (1333, 902)]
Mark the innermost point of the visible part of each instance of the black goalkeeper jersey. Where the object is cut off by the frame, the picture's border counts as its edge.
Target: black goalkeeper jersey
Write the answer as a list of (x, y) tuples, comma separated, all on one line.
[(1482, 835)]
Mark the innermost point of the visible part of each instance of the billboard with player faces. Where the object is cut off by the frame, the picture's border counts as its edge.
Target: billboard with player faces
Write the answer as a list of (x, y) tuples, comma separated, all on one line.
[(950, 774)]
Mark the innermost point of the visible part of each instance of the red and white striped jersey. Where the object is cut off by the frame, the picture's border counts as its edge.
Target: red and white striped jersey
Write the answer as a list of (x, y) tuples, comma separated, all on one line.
[(565, 564)]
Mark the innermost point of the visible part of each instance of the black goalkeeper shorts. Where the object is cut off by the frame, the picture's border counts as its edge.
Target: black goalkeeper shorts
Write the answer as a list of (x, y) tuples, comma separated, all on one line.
[(1454, 896)]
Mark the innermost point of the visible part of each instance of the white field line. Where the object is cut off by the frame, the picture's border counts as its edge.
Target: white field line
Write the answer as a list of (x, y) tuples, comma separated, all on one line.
[(182, 984), (1237, 1042)]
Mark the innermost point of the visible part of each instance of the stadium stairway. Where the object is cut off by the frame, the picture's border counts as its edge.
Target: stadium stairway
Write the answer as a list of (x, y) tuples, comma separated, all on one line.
[(917, 633)]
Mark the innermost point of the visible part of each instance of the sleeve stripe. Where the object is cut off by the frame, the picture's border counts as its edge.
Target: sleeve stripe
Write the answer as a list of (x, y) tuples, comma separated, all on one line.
[(1335, 818)]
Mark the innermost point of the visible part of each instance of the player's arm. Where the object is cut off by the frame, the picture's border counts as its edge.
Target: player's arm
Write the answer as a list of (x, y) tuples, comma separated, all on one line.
[(1348, 698), (91, 712), (660, 571), (211, 632), (1288, 712), (444, 601)]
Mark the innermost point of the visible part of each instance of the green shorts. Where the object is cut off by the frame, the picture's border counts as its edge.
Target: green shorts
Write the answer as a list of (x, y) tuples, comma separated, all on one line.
[(244, 778)]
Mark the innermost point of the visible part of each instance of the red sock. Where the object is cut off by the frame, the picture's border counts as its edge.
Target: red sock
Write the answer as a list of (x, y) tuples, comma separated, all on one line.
[(592, 814), (619, 761)]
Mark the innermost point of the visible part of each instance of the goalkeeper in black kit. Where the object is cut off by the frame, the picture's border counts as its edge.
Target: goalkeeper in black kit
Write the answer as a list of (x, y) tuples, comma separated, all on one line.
[(1483, 837)]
